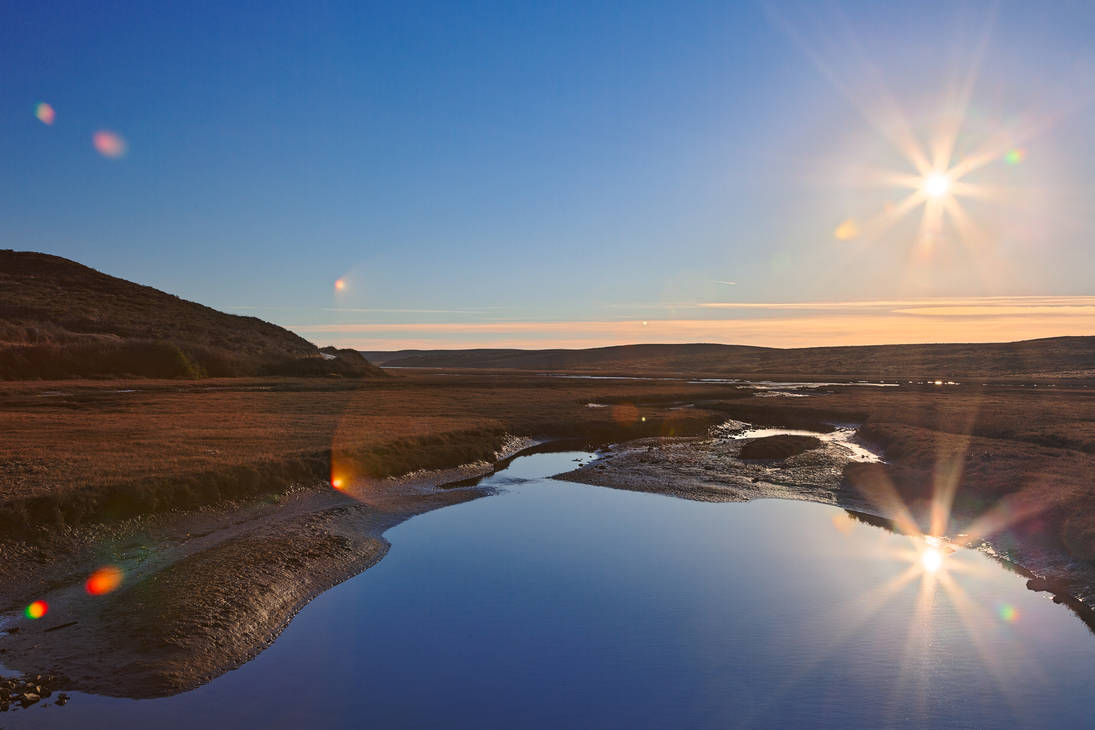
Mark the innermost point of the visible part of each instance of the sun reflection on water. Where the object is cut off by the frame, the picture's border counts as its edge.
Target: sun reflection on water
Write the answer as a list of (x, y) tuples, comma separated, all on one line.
[(931, 559)]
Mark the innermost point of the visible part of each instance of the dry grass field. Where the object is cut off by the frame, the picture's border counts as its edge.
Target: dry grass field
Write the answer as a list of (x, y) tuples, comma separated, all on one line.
[(76, 451), (84, 450)]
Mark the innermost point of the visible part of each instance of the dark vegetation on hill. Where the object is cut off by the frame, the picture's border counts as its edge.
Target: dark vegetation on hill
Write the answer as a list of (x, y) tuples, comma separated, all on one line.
[(1050, 358), (60, 319)]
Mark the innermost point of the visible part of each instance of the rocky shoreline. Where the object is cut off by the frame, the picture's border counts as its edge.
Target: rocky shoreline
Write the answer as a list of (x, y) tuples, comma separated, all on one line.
[(723, 467)]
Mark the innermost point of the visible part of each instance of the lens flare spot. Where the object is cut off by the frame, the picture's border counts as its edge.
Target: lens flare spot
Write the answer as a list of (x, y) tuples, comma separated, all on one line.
[(45, 113), (846, 231), (625, 413), (340, 284), (336, 482), (36, 610), (1015, 156), (103, 581), (1008, 614), (109, 144)]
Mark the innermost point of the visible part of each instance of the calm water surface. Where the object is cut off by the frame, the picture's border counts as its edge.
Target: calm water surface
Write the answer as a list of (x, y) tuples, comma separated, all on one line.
[(562, 605)]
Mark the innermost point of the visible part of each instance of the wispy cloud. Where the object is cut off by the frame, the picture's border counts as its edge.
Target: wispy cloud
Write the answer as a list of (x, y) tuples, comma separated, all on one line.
[(985, 305), (999, 310)]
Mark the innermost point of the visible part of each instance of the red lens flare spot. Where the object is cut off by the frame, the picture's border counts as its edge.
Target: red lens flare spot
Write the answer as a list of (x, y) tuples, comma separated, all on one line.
[(103, 581), (108, 144), (36, 610), (45, 113)]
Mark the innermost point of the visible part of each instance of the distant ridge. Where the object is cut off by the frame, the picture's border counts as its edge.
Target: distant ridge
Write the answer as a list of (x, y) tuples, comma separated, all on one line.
[(1050, 358), (62, 319)]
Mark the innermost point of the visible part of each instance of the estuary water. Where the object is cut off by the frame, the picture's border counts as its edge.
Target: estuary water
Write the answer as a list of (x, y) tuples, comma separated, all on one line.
[(555, 605)]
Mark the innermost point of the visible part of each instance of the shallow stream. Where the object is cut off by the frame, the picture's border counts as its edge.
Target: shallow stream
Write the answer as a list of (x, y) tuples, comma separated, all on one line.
[(556, 604)]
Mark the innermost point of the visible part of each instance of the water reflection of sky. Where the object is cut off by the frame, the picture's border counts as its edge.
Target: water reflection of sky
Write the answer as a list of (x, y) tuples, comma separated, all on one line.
[(558, 604)]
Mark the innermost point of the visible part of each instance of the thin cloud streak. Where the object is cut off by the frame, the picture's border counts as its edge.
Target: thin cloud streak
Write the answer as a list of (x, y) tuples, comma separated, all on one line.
[(901, 305), (961, 311)]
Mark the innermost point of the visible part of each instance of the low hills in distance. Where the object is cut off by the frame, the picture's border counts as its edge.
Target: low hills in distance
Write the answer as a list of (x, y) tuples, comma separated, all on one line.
[(1043, 359), (60, 319)]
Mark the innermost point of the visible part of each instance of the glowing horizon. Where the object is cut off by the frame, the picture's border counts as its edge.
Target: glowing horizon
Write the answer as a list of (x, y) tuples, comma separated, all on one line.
[(795, 324)]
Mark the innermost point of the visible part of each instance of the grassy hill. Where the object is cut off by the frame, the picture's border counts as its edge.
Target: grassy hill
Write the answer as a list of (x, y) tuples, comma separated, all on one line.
[(61, 319), (1049, 358)]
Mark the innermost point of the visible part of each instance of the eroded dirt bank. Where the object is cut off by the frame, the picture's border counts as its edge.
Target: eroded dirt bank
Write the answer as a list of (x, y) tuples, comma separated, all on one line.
[(209, 592)]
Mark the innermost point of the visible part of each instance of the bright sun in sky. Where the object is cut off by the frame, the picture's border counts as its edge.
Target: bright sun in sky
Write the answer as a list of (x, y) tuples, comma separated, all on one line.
[(936, 185)]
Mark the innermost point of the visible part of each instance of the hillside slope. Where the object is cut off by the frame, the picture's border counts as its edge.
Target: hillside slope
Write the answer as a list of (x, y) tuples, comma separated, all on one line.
[(1044, 358), (61, 319)]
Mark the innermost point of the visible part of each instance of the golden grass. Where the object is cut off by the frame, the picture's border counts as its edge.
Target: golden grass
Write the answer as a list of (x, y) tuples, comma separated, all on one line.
[(84, 450)]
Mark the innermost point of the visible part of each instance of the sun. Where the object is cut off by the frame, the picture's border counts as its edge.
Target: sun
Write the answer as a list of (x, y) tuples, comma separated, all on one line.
[(936, 185)]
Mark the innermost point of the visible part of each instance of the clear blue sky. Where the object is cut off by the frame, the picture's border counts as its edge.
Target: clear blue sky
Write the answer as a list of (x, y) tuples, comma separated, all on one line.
[(550, 173)]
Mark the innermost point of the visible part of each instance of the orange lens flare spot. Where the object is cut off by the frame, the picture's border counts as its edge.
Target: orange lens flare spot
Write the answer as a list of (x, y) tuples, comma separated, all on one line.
[(846, 231), (103, 581), (339, 285), (336, 482), (45, 113), (108, 144), (36, 610), (625, 414), (843, 523)]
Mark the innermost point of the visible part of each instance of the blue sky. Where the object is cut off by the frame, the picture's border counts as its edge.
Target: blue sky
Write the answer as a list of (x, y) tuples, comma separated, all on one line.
[(558, 174)]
